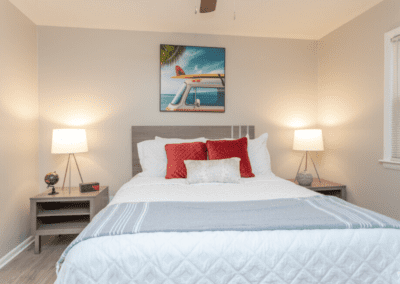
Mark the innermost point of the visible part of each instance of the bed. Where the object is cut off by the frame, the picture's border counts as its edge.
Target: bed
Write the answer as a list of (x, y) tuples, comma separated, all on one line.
[(233, 253)]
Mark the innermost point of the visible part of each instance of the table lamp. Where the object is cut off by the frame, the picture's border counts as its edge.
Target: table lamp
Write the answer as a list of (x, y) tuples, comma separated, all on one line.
[(69, 141), (307, 140)]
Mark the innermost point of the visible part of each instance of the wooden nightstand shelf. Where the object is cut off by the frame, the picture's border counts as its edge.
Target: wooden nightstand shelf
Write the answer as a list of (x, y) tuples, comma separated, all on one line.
[(327, 187), (65, 213)]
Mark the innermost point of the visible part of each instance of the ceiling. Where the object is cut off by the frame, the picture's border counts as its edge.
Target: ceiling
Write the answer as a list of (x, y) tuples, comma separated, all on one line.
[(301, 19)]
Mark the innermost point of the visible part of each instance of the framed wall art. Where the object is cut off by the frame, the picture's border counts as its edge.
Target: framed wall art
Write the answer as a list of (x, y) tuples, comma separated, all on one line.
[(192, 79)]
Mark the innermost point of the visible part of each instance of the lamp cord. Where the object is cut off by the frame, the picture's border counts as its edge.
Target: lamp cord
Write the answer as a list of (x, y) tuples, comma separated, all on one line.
[(70, 176), (234, 9)]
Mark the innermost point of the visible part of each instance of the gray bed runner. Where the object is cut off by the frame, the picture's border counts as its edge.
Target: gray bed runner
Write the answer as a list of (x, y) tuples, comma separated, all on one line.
[(318, 212)]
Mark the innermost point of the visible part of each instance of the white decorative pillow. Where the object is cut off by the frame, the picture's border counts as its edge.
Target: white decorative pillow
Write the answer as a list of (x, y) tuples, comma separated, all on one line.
[(225, 170), (153, 158), (258, 154)]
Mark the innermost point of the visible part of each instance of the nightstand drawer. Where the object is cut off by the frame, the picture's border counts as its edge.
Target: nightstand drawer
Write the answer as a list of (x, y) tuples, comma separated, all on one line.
[(327, 188), (333, 192), (63, 208), (61, 225)]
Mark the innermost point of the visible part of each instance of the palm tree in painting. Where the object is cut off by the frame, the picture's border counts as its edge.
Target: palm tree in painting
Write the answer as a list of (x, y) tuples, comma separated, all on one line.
[(169, 54)]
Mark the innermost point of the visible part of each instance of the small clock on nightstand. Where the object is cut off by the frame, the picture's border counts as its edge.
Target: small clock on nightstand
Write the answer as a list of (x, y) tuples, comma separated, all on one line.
[(327, 187)]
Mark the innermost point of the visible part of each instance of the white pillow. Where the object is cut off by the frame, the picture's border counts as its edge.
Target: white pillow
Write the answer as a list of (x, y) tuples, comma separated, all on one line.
[(178, 140), (153, 158), (258, 154), (225, 170), (229, 138)]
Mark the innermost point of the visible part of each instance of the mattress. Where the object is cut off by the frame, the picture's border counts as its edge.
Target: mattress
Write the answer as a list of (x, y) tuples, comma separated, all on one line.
[(297, 256)]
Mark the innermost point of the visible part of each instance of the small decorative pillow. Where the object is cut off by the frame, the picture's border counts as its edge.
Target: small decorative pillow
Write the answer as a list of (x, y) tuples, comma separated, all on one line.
[(224, 149), (258, 154), (177, 153), (226, 170)]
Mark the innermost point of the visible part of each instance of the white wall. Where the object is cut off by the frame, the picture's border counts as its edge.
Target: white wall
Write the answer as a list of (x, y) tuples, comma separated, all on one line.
[(106, 81), (19, 112), (350, 109)]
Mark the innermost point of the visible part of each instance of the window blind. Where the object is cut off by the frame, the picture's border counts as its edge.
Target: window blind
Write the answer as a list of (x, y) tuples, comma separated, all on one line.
[(396, 99)]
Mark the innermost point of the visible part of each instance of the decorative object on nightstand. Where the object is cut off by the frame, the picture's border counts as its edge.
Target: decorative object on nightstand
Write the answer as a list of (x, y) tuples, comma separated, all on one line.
[(69, 141), (89, 187), (307, 140), (51, 179), (326, 187), (65, 213)]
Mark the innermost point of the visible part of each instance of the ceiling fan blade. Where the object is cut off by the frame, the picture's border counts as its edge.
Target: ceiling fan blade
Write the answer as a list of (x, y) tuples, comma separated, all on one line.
[(208, 6)]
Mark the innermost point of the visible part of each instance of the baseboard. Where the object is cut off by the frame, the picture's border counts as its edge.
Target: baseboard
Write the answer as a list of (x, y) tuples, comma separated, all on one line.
[(16, 251)]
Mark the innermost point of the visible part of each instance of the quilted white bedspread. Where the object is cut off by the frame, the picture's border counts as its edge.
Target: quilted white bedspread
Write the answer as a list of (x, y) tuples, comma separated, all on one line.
[(146, 189), (306, 256)]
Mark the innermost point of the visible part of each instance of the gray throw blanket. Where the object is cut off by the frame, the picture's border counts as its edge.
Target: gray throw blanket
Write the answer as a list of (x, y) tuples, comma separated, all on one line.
[(318, 212)]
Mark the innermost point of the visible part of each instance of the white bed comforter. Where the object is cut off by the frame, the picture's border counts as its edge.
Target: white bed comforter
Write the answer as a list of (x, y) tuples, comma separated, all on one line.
[(309, 256)]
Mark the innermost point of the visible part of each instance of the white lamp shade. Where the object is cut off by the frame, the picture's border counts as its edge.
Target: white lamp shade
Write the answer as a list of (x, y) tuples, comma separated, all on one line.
[(67, 141), (308, 140)]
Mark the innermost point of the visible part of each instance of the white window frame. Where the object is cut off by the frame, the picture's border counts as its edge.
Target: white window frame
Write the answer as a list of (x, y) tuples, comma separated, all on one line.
[(387, 160)]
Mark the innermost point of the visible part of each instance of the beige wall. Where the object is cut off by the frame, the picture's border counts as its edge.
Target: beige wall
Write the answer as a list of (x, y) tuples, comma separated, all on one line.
[(106, 81), (18, 125), (350, 109)]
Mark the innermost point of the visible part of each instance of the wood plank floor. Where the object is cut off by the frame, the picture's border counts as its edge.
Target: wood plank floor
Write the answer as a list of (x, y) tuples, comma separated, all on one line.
[(32, 268)]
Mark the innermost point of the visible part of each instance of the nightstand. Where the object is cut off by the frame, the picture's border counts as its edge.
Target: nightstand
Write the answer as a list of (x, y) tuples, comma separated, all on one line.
[(64, 213), (327, 187)]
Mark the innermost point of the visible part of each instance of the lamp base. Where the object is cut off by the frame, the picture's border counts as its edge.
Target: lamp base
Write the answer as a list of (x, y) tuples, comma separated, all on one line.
[(304, 178), (66, 171)]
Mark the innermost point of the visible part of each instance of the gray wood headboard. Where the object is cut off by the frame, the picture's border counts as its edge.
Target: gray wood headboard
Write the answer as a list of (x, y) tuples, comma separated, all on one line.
[(142, 133)]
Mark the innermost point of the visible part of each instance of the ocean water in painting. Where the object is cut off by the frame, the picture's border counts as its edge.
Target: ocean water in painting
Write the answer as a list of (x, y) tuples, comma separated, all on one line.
[(166, 99), (194, 60)]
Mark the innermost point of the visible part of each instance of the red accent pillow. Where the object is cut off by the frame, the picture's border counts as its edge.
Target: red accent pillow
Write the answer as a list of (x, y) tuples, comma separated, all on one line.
[(225, 149), (177, 153)]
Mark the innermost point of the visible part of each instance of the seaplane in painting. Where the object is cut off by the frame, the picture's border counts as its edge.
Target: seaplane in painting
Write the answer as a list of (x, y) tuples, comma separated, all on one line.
[(199, 92)]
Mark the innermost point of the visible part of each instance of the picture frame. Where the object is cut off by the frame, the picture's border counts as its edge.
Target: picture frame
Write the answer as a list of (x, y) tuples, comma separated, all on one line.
[(192, 79)]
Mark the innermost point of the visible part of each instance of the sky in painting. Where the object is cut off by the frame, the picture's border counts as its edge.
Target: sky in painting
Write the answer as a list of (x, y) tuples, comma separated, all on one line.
[(195, 60)]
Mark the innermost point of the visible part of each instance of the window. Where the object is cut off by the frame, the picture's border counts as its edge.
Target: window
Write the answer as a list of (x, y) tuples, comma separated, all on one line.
[(391, 146), (207, 96), (211, 96), (191, 97)]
